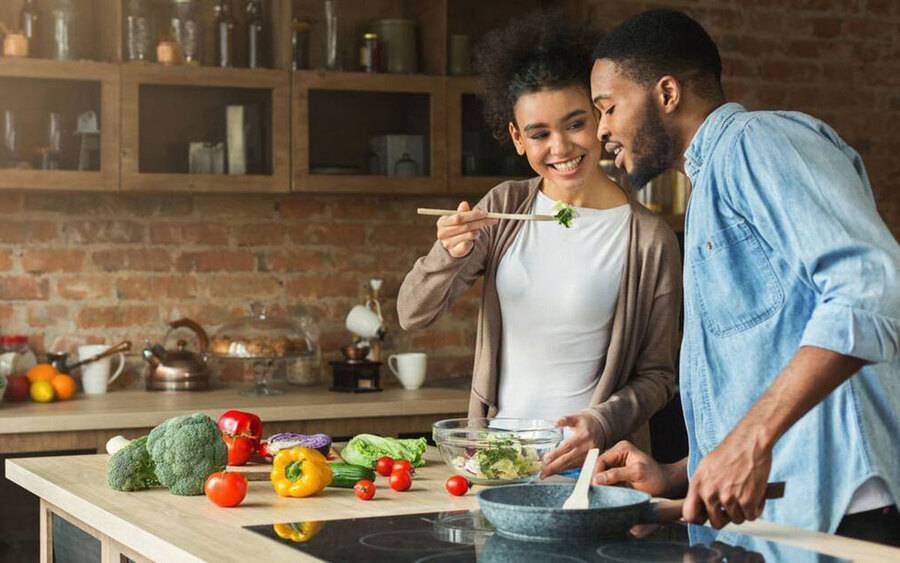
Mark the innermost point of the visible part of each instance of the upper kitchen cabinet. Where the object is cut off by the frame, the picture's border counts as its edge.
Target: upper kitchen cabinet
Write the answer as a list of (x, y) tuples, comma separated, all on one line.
[(369, 96), (205, 129), (59, 94), (375, 133), (477, 161), (59, 125)]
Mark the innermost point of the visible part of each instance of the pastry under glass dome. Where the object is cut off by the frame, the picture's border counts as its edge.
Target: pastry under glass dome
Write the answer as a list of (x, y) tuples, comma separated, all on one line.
[(265, 340)]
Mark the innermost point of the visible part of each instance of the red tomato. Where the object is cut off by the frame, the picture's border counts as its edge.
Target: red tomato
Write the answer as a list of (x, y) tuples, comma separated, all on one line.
[(226, 488), (403, 465), (400, 481), (240, 449), (457, 485), (365, 489), (384, 466)]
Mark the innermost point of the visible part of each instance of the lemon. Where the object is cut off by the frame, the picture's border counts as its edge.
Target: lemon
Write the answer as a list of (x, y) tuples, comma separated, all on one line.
[(42, 391)]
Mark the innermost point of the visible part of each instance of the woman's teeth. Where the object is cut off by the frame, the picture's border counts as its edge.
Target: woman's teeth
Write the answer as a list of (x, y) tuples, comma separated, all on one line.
[(568, 165)]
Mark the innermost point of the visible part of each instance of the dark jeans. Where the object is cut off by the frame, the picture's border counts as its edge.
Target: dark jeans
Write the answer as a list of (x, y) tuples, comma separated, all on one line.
[(881, 525)]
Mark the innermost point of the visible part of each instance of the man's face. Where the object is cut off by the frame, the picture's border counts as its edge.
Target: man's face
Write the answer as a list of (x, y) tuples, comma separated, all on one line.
[(631, 128)]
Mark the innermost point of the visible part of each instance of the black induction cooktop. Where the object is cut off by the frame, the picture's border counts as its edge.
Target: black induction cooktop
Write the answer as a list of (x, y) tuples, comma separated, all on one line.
[(465, 536)]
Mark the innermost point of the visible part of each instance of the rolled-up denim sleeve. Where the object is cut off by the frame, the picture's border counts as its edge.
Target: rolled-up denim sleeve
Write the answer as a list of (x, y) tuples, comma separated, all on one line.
[(807, 195)]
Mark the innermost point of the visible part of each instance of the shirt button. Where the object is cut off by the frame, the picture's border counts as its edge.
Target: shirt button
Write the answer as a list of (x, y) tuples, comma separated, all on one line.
[(709, 245)]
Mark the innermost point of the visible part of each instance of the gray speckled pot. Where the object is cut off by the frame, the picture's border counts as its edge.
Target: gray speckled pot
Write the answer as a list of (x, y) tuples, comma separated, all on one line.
[(534, 512)]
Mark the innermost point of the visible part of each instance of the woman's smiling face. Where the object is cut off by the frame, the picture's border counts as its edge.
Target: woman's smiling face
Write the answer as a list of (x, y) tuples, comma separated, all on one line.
[(557, 131)]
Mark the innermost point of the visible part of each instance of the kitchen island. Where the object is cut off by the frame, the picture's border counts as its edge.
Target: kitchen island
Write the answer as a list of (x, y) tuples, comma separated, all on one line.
[(156, 525), (87, 422)]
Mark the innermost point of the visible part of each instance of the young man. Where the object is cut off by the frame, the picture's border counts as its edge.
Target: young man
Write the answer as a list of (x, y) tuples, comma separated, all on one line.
[(790, 368)]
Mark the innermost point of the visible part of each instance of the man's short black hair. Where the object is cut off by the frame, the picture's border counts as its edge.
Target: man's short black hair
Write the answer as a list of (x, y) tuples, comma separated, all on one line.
[(540, 51), (660, 42)]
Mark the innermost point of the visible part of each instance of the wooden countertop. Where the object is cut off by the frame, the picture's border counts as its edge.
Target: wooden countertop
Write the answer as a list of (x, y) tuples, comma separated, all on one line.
[(142, 409), (171, 528)]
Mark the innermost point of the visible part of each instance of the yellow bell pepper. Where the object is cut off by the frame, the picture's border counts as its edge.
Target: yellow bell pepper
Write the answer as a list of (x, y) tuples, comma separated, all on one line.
[(298, 532), (300, 472)]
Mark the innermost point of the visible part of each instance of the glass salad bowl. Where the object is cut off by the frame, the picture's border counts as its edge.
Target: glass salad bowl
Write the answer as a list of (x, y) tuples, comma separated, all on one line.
[(495, 451)]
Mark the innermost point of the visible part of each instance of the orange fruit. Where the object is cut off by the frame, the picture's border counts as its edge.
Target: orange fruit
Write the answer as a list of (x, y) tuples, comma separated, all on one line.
[(64, 386), (41, 372), (41, 391)]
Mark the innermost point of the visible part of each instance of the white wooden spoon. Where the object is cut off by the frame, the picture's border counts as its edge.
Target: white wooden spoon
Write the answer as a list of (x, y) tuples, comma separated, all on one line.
[(579, 499)]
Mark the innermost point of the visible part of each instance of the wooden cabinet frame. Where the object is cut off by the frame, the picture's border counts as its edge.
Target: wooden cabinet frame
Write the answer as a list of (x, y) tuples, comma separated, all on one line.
[(277, 81), (434, 86), (457, 183), (107, 178)]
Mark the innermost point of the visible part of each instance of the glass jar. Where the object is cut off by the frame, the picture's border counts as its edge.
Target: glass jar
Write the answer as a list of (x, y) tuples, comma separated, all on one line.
[(62, 21), (273, 345), (254, 34), (370, 53), (186, 29), (300, 44), (224, 34), (16, 357), (138, 31)]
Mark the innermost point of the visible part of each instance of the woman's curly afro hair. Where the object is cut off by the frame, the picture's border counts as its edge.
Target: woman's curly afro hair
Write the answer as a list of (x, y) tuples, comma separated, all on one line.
[(543, 50)]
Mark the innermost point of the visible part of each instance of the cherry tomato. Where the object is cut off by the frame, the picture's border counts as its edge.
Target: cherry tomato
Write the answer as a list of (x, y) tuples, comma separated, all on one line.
[(226, 488), (403, 465), (364, 489), (384, 466), (240, 449), (457, 485), (400, 481)]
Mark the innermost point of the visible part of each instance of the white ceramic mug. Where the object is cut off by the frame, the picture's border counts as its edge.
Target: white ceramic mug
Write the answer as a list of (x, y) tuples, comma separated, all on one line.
[(409, 368), (95, 376), (363, 322)]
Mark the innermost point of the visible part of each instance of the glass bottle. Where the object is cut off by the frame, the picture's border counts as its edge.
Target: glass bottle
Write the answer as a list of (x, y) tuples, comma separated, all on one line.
[(224, 34), (185, 24), (254, 34), (10, 141), (332, 48), (29, 18), (62, 17), (138, 31), (300, 44)]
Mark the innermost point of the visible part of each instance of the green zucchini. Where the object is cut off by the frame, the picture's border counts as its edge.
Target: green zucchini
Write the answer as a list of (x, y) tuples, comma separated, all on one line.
[(345, 475)]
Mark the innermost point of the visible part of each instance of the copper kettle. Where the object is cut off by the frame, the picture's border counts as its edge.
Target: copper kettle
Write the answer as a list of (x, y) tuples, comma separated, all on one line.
[(180, 369)]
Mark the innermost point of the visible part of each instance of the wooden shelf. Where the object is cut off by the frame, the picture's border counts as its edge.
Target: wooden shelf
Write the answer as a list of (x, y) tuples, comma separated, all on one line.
[(209, 88), (135, 156)]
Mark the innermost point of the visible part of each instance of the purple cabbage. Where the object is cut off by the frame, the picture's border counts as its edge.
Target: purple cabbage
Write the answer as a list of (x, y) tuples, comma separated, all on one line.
[(287, 440)]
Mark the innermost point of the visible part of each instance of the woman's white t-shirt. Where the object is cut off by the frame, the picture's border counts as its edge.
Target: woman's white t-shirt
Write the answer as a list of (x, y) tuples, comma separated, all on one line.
[(558, 289)]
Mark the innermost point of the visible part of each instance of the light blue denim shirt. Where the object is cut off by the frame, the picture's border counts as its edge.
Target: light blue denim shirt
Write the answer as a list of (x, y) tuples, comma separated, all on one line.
[(784, 248)]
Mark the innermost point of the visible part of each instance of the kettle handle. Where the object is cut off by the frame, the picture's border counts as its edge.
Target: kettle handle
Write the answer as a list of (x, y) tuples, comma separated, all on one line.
[(196, 328)]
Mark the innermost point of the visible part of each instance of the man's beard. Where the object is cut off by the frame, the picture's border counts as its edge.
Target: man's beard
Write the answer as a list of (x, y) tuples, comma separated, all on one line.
[(653, 148)]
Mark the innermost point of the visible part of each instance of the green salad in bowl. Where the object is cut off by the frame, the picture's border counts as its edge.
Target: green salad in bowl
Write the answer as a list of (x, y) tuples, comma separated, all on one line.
[(495, 451)]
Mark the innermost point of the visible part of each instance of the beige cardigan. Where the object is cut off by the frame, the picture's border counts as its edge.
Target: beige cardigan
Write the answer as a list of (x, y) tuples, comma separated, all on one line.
[(638, 377)]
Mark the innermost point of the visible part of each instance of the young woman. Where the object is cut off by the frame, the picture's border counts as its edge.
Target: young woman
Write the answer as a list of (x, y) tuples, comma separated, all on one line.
[(577, 325)]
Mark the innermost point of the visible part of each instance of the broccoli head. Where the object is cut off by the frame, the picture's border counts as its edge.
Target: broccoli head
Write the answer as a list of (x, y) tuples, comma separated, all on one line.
[(186, 450), (131, 468)]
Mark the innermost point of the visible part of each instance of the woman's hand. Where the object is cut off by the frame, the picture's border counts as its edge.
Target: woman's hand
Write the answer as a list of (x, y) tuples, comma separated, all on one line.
[(458, 232), (585, 435), (624, 464)]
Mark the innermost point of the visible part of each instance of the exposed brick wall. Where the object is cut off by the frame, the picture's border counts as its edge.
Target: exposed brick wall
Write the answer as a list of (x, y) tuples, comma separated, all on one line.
[(85, 268), (838, 60)]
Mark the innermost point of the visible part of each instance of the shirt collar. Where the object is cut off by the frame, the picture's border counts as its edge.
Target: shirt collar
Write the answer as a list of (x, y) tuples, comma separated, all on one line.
[(705, 137)]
